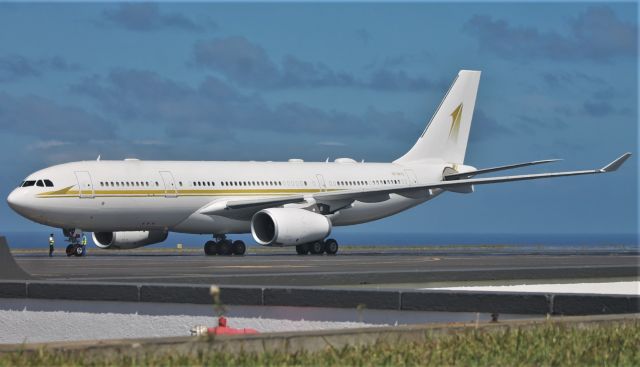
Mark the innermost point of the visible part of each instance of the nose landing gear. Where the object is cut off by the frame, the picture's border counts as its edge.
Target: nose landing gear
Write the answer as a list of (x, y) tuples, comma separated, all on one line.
[(329, 246), (73, 237), (222, 246), (74, 249)]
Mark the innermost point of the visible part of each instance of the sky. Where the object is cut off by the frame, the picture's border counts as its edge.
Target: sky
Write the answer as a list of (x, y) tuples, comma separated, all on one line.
[(272, 81)]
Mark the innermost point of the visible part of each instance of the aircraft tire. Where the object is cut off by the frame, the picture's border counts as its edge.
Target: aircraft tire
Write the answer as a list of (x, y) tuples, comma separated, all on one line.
[(69, 250), (78, 250), (331, 246), (317, 248), (302, 249), (209, 248), (238, 248), (224, 248)]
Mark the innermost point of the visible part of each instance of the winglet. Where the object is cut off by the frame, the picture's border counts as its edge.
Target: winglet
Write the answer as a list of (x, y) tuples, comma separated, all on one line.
[(615, 164)]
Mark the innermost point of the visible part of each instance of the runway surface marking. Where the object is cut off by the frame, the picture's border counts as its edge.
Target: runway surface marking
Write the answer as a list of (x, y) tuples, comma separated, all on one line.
[(258, 266)]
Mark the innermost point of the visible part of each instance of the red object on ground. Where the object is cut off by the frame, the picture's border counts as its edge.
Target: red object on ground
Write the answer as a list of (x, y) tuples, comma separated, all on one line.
[(222, 329)]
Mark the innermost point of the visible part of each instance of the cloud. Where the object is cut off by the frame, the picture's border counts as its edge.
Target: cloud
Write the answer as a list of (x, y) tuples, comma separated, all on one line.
[(238, 59), (214, 109), (331, 143), (419, 58), (596, 34), (363, 35), (390, 80), (14, 67), (486, 128), (598, 108), (558, 79), (248, 64), (144, 17), (47, 144), (45, 119)]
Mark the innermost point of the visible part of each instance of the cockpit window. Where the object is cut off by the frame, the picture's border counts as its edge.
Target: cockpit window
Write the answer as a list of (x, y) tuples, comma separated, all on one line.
[(28, 183), (48, 183), (40, 183)]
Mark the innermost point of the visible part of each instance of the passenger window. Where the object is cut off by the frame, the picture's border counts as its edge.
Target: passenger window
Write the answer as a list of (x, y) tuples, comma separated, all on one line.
[(48, 183)]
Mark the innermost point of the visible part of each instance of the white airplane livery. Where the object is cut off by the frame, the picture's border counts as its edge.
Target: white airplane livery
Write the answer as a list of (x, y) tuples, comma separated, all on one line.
[(133, 203)]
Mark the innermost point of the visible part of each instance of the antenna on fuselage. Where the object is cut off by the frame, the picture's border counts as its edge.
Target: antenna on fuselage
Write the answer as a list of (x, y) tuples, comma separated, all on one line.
[(98, 159)]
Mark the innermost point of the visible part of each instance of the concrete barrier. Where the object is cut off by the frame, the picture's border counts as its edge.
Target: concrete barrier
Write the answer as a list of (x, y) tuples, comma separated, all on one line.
[(83, 291), (386, 299), (13, 289), (490, 302), (590, 304), (199, 294), (340, 298)]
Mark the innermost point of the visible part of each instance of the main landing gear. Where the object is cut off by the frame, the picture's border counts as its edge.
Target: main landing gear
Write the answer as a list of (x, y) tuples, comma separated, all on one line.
[(222, 246), (330, 246)]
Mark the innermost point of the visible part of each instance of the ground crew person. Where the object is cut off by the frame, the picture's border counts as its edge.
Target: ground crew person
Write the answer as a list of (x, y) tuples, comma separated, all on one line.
[(51, 243), (84, 244)]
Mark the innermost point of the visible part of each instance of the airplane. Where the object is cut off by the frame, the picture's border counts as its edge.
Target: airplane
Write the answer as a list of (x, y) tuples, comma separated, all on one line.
[(133, 203)]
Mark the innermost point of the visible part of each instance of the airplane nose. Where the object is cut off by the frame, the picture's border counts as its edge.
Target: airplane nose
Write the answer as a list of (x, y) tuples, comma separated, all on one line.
[(15, 202)]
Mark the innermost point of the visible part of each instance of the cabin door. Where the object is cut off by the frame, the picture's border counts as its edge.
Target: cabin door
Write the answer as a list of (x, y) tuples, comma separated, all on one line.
[(321, 183), (85, 186), (411, 176), (170, 190)]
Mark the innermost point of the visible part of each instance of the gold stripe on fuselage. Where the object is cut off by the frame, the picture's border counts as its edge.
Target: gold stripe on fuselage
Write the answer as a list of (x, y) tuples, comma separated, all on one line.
[(66, 192)]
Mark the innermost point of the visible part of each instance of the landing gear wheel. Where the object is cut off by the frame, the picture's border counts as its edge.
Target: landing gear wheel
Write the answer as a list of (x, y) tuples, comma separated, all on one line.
[(317, 248), (224, 247), (209, 248), (238, 248), (331, 246), (69, 250), (78, 250), (302, 249)]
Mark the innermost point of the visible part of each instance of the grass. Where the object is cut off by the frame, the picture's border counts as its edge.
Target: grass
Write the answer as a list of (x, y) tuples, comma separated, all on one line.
[(549, 344)]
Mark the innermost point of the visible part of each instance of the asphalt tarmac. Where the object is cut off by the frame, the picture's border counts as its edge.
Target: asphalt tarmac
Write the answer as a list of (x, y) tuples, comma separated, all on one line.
[(347, 268)]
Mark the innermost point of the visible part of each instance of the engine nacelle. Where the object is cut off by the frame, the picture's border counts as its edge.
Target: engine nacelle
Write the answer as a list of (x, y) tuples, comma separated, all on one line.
[(288, 227), (128, 239)]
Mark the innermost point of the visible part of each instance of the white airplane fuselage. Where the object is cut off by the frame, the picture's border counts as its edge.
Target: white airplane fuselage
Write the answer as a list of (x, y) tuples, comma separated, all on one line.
[(134, 195)]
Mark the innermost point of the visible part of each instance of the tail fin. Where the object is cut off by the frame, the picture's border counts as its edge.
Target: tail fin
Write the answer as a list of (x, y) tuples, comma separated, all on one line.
[(445, 138)]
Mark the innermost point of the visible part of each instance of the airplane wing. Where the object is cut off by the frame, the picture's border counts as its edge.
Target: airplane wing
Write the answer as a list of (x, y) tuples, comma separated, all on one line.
[(456, 176), (381, 193)]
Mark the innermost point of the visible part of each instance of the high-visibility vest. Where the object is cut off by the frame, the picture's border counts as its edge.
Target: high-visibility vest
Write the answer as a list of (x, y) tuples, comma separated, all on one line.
[(51, 241), (84, 241)]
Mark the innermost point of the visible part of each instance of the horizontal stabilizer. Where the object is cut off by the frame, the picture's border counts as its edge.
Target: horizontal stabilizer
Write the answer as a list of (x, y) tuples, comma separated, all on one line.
[(616, 164), (457, 176)]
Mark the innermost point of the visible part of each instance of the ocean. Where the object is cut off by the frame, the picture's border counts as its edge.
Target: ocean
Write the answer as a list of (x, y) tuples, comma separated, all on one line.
[(35, 239)]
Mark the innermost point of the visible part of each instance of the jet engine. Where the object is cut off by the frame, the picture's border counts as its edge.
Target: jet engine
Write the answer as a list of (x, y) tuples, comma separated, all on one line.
[(288, 227), (128, 239)]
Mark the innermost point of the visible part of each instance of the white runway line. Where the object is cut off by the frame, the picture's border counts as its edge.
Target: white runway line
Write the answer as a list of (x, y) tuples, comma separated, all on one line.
[(46, 326), (614, 288)]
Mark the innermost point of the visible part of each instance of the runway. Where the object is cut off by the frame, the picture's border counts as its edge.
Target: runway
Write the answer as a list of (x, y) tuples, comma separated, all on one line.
[(348, 268)]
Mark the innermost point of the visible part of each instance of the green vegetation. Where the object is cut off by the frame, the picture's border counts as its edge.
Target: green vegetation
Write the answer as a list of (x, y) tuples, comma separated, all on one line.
[(549, 344)]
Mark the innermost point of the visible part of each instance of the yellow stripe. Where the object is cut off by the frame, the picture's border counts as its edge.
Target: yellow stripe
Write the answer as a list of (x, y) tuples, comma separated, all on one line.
[(141, 193)]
